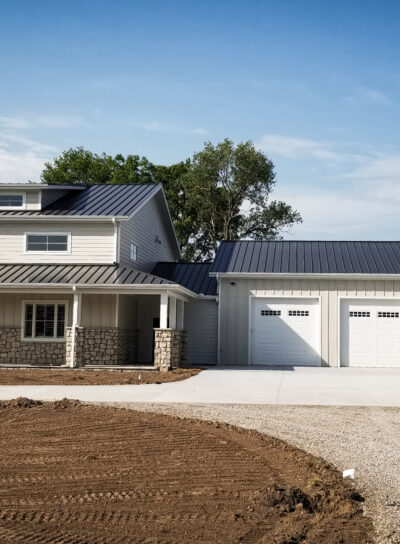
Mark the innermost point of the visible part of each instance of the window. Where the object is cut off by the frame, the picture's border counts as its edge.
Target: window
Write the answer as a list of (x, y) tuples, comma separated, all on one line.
[(360, 314), (133, 252), (388, 314), (12, 202), (57, 243), (44, 321), (298, 313), (270, 312)]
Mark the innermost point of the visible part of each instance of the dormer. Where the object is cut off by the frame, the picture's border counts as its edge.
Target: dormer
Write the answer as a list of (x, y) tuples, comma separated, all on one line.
[(32, 196)]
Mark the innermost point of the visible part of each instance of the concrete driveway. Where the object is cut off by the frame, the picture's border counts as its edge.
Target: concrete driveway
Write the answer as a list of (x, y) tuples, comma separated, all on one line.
[(288, 386)]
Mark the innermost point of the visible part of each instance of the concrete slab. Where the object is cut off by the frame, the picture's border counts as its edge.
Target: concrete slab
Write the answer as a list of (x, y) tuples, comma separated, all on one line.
[(254, 385)]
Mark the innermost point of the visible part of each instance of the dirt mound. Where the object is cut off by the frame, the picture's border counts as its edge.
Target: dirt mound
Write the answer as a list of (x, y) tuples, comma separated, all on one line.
[(96, 475), (20, 402)]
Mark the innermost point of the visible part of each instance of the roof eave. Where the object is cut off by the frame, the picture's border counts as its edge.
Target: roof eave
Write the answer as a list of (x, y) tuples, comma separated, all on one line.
[(313, 275), (42, 217)]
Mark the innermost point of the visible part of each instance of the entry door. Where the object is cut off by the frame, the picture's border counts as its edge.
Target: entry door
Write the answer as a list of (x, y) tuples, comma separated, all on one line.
[(285, 332), (370, 333)]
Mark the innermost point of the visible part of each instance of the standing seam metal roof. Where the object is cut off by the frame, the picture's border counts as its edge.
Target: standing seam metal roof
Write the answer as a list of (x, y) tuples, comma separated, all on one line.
[(100, 199), (193, 276), (308, 257)]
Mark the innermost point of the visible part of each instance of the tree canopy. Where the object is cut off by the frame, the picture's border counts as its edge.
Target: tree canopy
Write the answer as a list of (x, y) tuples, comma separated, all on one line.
[(222, 193)]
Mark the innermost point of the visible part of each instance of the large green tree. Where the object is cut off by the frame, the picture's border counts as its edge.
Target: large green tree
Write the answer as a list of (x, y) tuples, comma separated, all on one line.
[(222, 193)]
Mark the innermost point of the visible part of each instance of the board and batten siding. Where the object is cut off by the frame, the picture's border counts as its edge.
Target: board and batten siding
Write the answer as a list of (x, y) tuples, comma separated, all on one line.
[(91, 243), (234, 309), (201, 325), (151, 231), (11, 306)]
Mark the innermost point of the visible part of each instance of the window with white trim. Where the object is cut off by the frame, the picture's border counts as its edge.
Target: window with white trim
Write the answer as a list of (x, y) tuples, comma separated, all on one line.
[(12, 202), (44, 321), (133, 251), (47, 243)]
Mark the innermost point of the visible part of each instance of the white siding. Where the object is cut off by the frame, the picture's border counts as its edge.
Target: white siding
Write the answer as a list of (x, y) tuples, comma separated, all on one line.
[(201, 324), (11, 307), (150, 223), (98, 311), (234, 310), (90, 242)]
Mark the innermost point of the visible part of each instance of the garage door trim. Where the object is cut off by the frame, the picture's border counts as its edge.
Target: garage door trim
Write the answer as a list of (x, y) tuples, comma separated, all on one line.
[(348, 298), (287, 297)]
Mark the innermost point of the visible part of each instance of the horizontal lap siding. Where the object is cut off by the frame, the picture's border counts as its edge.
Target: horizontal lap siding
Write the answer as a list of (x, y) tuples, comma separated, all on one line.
[(90, 243), (148, 223), (234, 310), (201, 324)]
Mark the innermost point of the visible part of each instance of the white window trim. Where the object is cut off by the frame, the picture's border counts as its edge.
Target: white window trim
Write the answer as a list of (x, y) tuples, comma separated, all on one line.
[(132, 242), (14, 208), (43, 339), (69, 239)]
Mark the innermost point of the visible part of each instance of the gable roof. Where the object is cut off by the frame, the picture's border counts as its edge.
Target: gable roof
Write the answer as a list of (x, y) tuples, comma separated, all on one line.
[(307, 257), (108, 200), (193, 276)]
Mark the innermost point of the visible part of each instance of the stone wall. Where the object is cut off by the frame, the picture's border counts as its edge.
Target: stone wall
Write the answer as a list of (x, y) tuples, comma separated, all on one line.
[(105, 346), (169, 348), (15, 351)]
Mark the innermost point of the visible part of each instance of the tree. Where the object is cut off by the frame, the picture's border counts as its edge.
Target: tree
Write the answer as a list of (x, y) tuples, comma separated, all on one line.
[(221, 194), (228, 188)]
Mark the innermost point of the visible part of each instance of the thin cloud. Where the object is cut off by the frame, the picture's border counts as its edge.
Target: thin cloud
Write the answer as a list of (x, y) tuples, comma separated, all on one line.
[(155, 126), (13, 122), (370, 96), (296, 148), (20, 167)]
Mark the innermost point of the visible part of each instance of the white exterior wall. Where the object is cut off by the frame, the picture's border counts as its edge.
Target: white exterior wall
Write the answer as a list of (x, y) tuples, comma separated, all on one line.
[(11, 306), (201, 325), (149, 222), (234, 309), (91, 243)]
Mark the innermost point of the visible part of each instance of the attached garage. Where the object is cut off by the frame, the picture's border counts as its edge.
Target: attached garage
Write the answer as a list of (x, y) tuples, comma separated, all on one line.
[(308, 303), (370, 333), (285, 331)]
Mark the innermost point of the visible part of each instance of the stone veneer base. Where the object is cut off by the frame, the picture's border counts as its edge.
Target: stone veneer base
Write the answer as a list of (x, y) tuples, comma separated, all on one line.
[(15, 351), (169, 348)]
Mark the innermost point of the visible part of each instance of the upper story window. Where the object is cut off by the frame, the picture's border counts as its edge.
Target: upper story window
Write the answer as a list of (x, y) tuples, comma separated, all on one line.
[(12, 202), (133, 252), (47, 243)]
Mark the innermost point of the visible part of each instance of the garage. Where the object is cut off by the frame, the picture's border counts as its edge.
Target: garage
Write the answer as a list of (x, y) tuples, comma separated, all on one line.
[(370, 333), (285, 331)]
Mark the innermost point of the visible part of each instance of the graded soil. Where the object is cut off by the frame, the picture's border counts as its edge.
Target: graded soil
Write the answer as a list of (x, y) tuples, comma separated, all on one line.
[(77, 376), (87, 474)]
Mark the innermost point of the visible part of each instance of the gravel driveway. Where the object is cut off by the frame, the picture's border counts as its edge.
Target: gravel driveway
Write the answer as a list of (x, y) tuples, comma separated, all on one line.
[(367, 439)]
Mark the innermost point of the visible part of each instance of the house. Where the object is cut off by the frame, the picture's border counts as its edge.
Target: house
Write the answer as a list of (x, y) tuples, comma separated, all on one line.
[(91, 276)]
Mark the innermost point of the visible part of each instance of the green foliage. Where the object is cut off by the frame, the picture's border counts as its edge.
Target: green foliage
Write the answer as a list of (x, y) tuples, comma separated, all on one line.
[(221, 194)]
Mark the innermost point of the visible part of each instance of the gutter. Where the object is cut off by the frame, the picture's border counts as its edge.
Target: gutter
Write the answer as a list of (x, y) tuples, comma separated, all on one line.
[(64, 218), (304, 276)]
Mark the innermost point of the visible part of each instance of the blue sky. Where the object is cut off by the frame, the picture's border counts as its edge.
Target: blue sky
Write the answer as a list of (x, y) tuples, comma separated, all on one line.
[(314, 84)]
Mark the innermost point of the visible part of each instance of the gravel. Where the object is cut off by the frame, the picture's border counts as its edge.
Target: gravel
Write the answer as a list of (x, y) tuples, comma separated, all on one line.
[(364, 438)]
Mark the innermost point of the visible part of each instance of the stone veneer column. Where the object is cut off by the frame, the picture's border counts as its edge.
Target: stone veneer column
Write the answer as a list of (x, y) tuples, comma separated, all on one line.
[(169, 348)]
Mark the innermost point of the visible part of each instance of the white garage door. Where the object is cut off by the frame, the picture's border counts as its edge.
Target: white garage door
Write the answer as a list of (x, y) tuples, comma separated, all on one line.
[(370, 333), (285, 332)]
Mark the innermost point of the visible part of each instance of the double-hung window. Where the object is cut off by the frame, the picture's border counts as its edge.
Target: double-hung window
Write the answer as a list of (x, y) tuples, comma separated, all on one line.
[(12, 201), (133, 252), (44, 321), (47, 243)]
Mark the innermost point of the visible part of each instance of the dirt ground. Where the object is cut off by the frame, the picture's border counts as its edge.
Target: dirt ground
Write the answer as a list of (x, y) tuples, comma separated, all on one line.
[(87, 474), (36, 376)]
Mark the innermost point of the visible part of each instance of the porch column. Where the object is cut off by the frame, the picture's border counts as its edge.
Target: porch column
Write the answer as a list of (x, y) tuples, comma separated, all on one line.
[(76, 321), (172, 312), (163, 310)]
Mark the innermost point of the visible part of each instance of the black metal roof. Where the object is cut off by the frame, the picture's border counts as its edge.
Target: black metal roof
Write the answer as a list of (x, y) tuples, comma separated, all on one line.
[(193, 276), (308, 257), (82, 274), (100, 199)]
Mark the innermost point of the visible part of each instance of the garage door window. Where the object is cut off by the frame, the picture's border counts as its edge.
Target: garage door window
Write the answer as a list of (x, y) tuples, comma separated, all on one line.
[(388, 314), (270, 312), (360, 314), (299, 313)]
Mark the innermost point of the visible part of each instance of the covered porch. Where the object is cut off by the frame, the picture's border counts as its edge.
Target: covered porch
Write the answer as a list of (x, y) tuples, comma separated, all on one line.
[(94, 324)]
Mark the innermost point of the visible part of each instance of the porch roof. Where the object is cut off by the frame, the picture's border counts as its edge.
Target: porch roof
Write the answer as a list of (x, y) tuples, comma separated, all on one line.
[(77, 274)]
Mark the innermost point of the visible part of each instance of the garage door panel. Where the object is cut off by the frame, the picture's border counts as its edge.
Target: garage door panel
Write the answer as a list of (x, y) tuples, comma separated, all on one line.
[(370, 333), (284, 331)]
